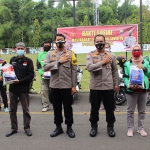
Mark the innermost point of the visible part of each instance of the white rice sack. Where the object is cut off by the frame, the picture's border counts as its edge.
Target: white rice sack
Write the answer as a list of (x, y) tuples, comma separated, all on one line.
[(8, 74), (47, 75)]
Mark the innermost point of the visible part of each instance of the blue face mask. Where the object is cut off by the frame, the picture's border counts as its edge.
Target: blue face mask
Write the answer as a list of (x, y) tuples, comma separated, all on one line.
[(20, 52)]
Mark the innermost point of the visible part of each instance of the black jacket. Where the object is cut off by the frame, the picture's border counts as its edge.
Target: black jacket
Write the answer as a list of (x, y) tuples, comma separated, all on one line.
[(24, 71), (2, 63)]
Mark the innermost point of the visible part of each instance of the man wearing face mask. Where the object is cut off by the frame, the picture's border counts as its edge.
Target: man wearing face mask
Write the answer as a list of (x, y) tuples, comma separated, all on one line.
[(44, 82), (63, 66), (104, 81), (24, 70)]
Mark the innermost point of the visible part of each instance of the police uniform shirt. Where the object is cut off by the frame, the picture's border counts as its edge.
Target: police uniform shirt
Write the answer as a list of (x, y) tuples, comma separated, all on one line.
[(103, 77), (63, 75)]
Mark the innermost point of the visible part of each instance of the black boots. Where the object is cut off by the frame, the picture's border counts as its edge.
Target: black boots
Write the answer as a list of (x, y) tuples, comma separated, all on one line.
[(111, 131), (70, 132), (93, 130), (57, 131)]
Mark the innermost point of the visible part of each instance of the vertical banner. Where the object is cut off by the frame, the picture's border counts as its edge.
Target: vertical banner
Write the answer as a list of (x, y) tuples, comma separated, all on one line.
[(120, 37)]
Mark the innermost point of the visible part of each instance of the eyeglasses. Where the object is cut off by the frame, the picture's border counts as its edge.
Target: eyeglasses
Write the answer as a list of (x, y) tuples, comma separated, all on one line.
[(137, 50)]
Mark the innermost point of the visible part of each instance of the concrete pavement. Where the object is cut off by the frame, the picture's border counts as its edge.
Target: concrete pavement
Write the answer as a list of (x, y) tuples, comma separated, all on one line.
[(42, 125)]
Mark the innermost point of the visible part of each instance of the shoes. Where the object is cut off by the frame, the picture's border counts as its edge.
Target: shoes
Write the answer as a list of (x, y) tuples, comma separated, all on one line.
[(111, 131), (142, 132), (28, 132), (116, 109), (45, 109), (93, 132), (6, 109), (130, 133), (57, 131), (70, 132), (11, 132)]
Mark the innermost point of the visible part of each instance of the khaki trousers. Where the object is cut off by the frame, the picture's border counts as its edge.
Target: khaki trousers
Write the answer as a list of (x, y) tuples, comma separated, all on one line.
[(139, 99), (45, 92)]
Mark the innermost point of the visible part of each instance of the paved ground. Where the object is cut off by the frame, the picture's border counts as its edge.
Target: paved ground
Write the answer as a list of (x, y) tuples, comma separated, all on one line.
[(42, 125)]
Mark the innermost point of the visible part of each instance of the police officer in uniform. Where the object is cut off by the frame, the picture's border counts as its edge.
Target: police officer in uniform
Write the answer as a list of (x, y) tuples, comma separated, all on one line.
[(104, 80), (129, 41), (24, 70), (63, 66), (44, 82)]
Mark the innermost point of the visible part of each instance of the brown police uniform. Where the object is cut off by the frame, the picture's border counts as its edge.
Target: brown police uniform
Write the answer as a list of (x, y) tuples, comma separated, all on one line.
[(103, 79), (63, 78)]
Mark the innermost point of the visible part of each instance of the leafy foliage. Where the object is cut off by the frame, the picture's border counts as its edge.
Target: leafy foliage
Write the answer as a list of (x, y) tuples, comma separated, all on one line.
[(33, 21)]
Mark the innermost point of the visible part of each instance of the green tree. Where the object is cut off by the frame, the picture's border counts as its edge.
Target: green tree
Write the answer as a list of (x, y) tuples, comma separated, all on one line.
[(106, 13), (36, 33), (5, 26)]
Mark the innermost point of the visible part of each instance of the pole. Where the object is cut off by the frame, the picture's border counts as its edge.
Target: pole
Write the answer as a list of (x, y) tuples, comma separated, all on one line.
[(88, 13), (125, 12), (52, 22), (141, 25), (74, 13)]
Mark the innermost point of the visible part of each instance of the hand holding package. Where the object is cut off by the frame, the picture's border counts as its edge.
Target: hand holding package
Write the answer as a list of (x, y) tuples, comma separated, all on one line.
[(8, 74), (47, 75), (136, 76)]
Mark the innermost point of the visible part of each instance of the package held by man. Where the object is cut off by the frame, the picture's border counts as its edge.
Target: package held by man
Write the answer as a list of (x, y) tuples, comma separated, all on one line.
[(8, 74), (47, 75)]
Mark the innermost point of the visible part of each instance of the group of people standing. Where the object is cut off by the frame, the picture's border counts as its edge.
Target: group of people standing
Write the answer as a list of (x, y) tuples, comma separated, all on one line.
[(104, 82)]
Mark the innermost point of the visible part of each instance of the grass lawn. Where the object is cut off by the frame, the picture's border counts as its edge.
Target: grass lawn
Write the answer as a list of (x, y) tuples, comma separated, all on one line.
[(81, 61)]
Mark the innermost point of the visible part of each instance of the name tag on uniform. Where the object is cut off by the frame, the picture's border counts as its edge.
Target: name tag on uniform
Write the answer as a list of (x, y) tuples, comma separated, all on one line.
[(25, 63), (13, 63), (87, 56)]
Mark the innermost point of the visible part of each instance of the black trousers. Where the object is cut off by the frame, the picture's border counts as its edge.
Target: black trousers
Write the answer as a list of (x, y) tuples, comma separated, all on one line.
[(4, 95), (59, 97), (24, 99), (96, 96)]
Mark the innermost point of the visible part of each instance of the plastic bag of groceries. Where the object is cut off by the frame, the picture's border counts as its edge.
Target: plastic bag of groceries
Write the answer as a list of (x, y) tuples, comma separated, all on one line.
[(47, 75), (8, 74), (136, 76)]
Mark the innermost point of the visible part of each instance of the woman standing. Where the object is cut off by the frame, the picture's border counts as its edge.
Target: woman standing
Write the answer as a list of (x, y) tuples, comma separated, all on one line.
[(136, 95)]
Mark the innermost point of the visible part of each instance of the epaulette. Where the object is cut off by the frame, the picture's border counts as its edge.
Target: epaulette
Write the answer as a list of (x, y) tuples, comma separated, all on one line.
[(93, 51)]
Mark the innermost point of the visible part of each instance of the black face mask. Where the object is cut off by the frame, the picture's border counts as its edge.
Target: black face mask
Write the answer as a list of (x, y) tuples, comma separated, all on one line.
[(47, 48), (60, 44), (100, 46)]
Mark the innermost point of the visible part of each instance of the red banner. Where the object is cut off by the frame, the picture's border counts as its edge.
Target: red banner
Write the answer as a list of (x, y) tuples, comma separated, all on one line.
[(118, 36)]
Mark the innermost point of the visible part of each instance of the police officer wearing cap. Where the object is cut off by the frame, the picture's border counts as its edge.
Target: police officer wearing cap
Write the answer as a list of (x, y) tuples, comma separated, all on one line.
[(24, 70), (63, 66), (104, 80)]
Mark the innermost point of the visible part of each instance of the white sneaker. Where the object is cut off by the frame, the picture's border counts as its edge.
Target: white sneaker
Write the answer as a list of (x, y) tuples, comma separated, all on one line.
[(45, 109), (142, 132), (6, 109), (130, 133)]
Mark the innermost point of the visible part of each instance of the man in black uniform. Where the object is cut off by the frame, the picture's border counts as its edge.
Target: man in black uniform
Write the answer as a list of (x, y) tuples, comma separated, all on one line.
[(24, 70)]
